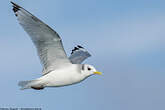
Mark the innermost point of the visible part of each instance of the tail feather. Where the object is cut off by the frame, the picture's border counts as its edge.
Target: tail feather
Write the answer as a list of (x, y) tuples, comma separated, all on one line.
[(27, 84)]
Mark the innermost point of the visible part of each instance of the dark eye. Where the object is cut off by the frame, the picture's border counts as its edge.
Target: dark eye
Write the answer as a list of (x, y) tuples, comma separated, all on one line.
[(89, 69)]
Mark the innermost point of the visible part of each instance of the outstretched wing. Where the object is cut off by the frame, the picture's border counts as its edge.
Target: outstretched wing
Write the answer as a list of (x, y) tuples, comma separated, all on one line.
[(78, 55), (47, 41)]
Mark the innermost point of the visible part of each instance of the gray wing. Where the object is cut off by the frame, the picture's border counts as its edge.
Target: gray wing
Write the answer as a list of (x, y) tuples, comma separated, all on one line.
[(47, 41), (78, 55)]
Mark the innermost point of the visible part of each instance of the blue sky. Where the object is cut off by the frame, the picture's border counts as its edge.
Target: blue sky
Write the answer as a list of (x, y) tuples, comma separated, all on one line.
[(126, 40)]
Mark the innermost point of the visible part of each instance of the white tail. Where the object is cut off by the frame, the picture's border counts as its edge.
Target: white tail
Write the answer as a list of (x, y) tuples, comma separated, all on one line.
[(30, 84)]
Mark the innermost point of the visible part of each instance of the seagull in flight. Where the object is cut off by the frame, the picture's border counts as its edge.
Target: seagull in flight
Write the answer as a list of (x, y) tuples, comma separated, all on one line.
[(58, 69)]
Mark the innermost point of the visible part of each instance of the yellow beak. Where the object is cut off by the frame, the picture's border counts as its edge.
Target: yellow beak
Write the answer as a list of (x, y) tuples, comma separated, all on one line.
[(97, 72)]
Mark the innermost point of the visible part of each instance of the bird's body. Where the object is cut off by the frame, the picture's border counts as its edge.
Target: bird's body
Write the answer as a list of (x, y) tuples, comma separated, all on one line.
[(58, 69), (71, 74), (61, 77)]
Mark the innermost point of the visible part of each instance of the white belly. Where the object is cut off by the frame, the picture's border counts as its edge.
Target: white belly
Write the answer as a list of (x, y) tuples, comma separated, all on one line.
[(61, 78)]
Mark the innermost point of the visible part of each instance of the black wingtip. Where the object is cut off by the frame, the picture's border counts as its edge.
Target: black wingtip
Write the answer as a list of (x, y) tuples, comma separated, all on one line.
[(15, 7), (14, 4), (76, 48), (79, 46)]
